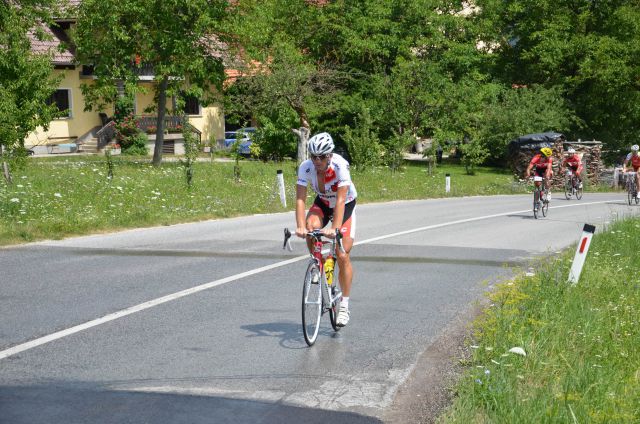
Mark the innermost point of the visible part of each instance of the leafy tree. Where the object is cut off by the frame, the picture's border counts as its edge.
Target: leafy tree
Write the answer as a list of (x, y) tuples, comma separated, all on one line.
[(588, 48), (26, 78), (287, 77), (180, 39)]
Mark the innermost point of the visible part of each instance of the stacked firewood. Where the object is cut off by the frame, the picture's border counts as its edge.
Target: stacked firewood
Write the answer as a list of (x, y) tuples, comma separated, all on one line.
[(589, 151)]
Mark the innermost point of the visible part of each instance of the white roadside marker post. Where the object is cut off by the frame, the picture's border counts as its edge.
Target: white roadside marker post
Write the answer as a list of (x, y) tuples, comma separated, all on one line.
[(283, 197), (581, 253), (447, 183)]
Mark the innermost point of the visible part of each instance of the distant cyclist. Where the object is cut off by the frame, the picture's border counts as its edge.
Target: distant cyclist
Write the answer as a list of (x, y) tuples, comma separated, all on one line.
[(329, 176), (634, 158), (573, 162), (541, 165)]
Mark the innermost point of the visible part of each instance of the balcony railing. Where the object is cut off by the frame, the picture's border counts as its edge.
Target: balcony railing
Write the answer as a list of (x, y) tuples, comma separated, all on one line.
[(144, 70), (172, 124)]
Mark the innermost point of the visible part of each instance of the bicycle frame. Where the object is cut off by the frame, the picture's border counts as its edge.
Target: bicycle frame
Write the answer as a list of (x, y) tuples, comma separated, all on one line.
[(570, 182), (632, 189), (539, 194), (318, 258)]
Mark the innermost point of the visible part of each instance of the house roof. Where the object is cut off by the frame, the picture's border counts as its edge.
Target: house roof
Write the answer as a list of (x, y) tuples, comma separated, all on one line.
[(55, 44)]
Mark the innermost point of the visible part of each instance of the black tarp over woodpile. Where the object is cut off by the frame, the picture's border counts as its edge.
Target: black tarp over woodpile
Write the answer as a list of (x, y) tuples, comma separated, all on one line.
[(523, 148)]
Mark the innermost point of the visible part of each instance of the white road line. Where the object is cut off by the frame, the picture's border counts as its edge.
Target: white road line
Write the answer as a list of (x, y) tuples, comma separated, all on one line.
[(168, 298), (464, 221)]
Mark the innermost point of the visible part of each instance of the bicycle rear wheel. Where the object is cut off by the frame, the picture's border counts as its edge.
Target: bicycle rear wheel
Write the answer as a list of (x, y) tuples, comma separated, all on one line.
[(536, 203), (311, 304), (333, 309)]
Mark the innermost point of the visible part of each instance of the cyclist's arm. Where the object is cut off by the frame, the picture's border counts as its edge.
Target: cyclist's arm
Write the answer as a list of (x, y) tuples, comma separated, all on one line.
[(549, 169), (624, 164), (301, 203), (527, 173)]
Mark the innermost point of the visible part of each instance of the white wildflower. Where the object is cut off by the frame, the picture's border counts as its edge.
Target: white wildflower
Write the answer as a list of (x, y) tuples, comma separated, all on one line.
[(518, 351), (14, 200), (57, 194)]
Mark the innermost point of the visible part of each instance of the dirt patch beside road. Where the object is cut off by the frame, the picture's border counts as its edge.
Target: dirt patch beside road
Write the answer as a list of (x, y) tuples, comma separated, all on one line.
[(427, 392)]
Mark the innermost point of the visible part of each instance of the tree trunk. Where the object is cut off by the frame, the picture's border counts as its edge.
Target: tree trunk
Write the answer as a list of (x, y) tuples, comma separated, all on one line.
[(162, 110), (303, 138), (303, 132), (5, 167)]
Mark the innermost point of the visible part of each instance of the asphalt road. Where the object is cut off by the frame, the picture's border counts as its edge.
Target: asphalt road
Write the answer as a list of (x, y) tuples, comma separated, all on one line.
[(200, 323)]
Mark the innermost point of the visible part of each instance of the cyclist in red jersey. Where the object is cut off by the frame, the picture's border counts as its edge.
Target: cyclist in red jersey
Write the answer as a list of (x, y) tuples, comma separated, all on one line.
[(541, 165), (573, 161), (634, 158)]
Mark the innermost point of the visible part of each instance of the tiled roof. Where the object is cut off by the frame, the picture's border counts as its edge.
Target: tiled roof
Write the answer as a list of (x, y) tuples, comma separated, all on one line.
[(61, 56)]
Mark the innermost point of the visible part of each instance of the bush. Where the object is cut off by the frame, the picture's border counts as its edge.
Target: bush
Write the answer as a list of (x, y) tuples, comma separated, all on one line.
[(394, 149), (136, 144), (473, 154), (363, 143), (271, 142)]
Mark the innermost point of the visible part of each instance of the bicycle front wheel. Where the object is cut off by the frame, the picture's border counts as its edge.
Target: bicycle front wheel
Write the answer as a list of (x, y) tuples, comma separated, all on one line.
[(311, 304), (630, 196), (536, 203), (333, 310), (579, 191)]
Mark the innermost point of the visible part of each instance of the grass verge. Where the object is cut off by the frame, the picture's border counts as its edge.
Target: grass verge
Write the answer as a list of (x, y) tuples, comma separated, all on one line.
[(582, 362), (57, 197)]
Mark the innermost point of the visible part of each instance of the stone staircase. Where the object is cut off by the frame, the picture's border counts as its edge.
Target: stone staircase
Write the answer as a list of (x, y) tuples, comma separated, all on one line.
[(89, 146)]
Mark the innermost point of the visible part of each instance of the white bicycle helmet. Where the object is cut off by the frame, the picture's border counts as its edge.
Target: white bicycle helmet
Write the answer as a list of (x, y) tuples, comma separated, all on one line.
[(321, 144), (571, 150), (635, 148)]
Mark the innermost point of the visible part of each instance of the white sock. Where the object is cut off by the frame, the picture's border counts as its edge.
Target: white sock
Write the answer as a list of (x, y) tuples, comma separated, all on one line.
[(345, 301)]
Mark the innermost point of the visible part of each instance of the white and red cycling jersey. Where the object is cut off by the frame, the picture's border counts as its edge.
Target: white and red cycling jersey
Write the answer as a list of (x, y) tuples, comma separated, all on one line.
[(574, 162), (337, 175), (635, 161)]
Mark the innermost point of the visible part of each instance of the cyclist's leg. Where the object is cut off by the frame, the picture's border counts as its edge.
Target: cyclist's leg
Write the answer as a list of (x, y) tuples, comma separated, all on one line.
[(537, 173), (345, 274), (348, 228), (317, 217)]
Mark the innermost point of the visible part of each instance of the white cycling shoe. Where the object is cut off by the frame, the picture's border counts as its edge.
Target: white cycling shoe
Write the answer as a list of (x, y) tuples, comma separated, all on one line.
[(343, 316)]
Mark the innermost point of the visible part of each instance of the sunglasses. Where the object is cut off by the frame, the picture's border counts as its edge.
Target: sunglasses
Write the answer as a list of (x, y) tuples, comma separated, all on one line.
[(320, 157)]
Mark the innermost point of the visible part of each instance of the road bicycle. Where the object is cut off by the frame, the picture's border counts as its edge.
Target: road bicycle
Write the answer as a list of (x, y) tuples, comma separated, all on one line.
[(632, 190), (540, 197), (320, 291), (572, 185)]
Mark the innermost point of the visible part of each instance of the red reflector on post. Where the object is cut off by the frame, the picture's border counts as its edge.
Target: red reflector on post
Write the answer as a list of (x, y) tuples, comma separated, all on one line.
[(582, 244)]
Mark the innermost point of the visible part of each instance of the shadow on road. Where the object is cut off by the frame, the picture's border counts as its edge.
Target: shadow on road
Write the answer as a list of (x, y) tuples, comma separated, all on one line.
[(289, 333), (77, 404)]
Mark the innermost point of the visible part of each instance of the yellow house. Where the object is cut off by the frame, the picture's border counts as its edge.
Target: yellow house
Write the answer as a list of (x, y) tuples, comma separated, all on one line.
[(79, 130)]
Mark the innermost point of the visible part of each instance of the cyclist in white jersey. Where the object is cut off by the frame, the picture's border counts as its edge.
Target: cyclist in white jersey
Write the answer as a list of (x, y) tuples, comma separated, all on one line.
[(329, 176)]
